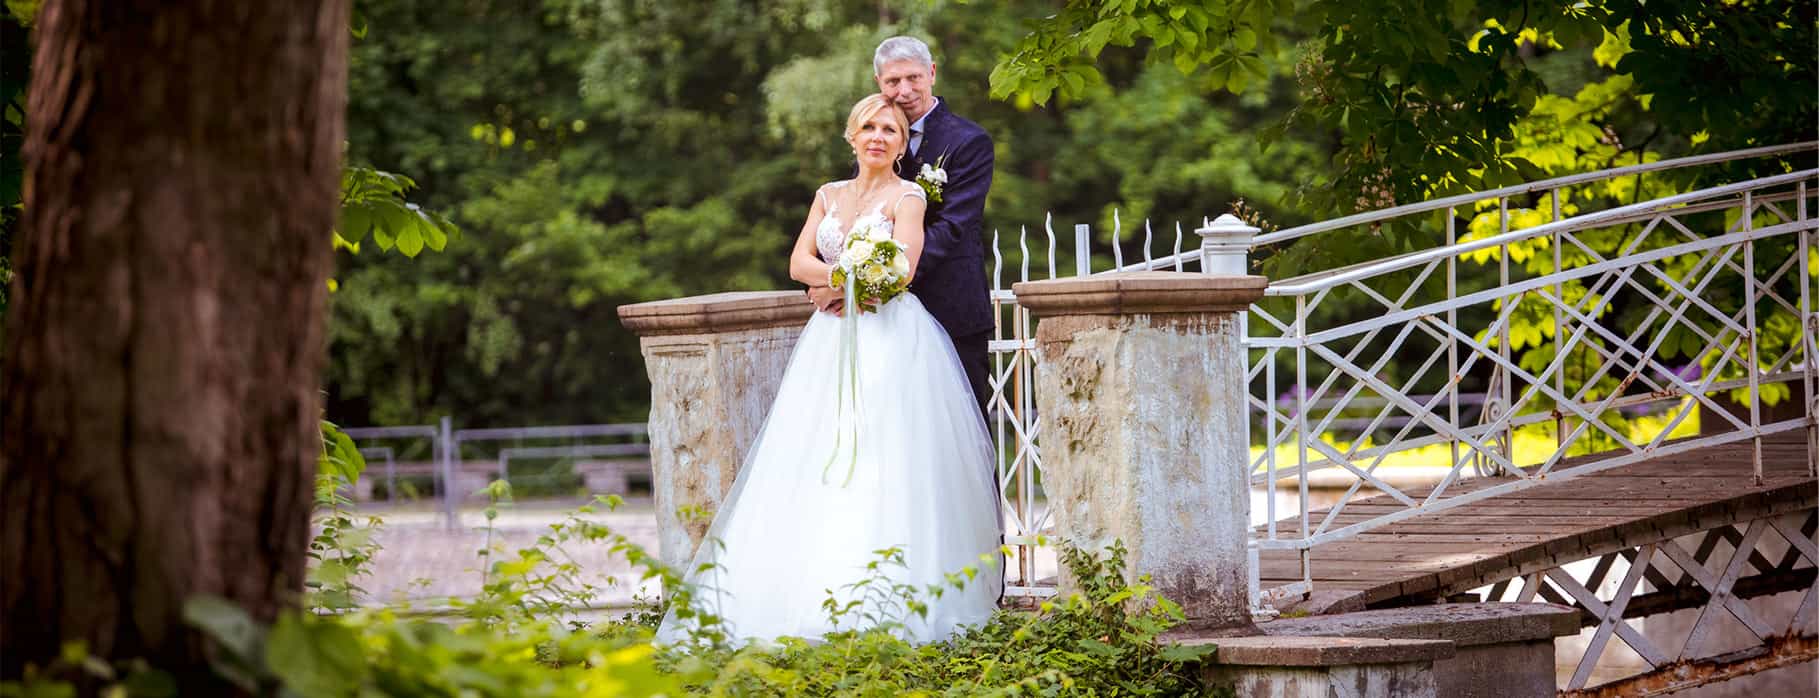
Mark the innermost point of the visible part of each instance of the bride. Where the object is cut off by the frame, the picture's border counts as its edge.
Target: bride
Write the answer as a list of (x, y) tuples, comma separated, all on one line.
[(808, 511)]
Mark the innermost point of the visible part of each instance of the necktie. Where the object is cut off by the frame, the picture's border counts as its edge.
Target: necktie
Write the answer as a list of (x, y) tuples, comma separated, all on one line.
[(915, 141)]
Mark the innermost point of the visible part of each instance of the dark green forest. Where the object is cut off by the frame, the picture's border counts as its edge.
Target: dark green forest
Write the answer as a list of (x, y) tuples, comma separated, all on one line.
[(600, 152)]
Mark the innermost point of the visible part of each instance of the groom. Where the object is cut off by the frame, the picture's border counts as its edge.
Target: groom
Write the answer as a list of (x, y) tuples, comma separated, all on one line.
[(950, 277)]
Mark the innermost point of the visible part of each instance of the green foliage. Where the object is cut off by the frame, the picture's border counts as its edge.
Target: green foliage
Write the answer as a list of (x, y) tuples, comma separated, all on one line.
[(603, 152), (75, 670), (1427, 94), (1436, 97), (542, 582), (373, 202), (342, 548), (15, 76), (1103, 639), (517, 639), (381, 654)]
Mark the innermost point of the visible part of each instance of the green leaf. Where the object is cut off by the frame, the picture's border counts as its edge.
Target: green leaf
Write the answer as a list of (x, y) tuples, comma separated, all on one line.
[(1190, 41), (330, 573), (1245, 39), (242, 641), (1254, 66), (356, 221), (394, 224), (432, 230), (315, 658), (227, 623), (352, 463), (1186, 653), (1614, 47), (1186, 63), (1041, 91)]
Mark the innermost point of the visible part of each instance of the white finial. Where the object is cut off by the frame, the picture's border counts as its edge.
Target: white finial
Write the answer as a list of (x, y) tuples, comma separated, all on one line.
[(1225, 245)]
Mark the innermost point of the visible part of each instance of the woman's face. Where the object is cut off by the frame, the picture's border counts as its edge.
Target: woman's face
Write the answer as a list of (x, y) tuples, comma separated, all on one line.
[(879, 140)]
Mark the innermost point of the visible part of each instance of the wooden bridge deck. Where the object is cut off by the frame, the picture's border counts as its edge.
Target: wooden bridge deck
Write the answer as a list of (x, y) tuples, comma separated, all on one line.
[(1497, 538)]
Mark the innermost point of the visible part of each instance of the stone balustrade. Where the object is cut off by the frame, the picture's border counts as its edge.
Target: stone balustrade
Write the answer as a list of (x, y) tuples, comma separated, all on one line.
[(1140, 384), (714, 362)]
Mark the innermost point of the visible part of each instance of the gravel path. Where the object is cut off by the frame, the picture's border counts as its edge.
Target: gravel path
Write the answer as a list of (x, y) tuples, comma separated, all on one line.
[(423, 562)]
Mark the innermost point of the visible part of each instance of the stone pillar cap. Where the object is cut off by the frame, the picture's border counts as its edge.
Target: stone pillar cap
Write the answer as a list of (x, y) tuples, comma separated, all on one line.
[(1322, 651), (1463, 624), (717, 312), (1151, 292)]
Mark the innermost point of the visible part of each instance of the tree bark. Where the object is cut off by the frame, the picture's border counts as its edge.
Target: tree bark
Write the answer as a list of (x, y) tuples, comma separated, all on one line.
[(165, 338)]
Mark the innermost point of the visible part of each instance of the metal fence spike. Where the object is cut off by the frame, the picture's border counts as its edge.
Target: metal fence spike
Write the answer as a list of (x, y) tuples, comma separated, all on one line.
[(1117, 246)]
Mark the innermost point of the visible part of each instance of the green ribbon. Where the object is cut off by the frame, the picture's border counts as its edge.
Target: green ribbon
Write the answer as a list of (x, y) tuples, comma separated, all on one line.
[(847, 399)]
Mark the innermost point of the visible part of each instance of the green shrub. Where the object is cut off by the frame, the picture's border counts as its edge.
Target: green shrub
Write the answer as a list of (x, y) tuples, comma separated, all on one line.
[(520, 636)]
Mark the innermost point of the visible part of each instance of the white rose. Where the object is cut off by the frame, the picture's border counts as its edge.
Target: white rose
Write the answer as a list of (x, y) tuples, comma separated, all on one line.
[(940, 176), (928, 172), (900, 266), (877, 233), (851, 258), (861, 247), (872, 272)]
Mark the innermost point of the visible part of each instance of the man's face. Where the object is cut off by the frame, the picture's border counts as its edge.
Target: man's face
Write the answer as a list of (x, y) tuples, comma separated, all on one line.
[(910, 84)]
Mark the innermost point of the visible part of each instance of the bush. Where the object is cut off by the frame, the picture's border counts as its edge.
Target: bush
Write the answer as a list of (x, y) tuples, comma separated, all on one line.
[(515, 639)]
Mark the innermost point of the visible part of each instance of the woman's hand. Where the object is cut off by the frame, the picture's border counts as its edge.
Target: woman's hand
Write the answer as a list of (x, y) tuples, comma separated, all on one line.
[(828, 299)]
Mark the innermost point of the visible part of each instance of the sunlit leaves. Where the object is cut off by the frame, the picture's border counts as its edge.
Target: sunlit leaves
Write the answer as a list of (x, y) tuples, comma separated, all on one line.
[(1057, 57), (1432, 92), (372, 202), (1615, 46)]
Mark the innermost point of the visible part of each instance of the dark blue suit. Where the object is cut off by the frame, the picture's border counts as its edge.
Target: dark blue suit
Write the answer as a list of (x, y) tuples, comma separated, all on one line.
[(950, 277)]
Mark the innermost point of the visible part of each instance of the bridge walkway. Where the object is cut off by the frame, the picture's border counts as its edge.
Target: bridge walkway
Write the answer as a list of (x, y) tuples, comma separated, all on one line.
[(1452, 551)]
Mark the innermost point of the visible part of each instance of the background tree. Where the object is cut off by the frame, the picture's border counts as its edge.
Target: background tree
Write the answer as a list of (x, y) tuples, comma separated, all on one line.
[(601, 152), (163, 344), (1427, 95)]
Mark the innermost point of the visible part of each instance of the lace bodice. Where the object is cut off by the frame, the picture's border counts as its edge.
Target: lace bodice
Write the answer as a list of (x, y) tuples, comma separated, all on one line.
[(830, 237)]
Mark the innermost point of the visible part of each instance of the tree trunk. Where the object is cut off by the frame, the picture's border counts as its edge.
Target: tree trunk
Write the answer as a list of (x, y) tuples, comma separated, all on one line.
[(165, 338)]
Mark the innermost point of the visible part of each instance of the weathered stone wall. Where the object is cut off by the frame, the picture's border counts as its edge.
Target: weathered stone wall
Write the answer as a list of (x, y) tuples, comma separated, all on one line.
[(1413, 680), (1141, 389), (710, 395), (715, 363), (1146, 445)]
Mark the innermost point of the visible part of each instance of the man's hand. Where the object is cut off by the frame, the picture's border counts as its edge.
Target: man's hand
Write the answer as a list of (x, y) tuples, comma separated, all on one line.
[(827, 299)]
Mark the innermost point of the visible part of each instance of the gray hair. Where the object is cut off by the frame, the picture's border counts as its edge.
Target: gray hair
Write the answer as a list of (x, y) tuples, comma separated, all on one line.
[(901, 48)]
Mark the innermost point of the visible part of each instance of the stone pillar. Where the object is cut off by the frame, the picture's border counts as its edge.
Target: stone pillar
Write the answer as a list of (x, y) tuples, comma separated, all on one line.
[(1325, 667), (714, 363), (1141, 389)]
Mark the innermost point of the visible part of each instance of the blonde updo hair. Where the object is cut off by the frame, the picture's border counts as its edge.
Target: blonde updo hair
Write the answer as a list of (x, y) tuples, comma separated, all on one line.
[(871, 105)]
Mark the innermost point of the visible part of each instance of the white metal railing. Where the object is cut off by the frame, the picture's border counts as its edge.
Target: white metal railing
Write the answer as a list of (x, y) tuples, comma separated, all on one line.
[(1452, 319), (1621, 284)]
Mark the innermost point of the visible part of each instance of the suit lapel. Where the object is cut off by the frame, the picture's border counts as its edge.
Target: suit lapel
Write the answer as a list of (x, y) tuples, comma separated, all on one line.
[(931, 143)]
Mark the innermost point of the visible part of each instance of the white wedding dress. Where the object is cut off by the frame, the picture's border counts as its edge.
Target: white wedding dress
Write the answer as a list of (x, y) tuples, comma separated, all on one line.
[(794, 529)]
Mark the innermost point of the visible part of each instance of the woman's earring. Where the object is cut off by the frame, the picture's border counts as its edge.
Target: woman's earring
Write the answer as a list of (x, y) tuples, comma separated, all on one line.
[(900, 155)]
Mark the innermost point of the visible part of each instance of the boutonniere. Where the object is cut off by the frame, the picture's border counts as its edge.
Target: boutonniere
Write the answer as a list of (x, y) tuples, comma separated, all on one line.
[(932, 178)]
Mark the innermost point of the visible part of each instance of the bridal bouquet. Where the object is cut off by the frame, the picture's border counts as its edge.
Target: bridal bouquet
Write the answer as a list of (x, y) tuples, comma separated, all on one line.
[(876, 266), (873, 269)]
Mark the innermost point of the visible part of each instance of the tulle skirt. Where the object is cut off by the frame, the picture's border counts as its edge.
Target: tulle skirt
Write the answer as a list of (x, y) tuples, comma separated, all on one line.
[(795, 529)]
